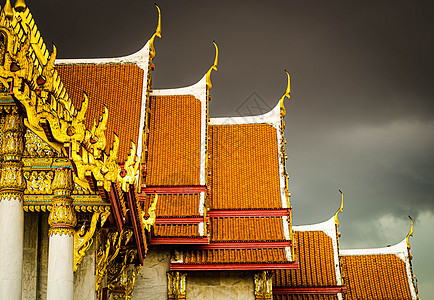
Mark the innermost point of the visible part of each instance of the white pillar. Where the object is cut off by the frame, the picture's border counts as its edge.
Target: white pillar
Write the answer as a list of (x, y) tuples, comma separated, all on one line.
[(62, 220), (11, 248), (12, 185), (60, 280)]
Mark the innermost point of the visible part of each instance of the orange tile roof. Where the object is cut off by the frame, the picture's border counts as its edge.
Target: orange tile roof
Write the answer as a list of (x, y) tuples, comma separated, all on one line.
[(235, 256), (244, 167), (117, 86), (184, 230), (315, 254), (305, 297), (375, 277), (247, 229), (174, 141), (173, 205)]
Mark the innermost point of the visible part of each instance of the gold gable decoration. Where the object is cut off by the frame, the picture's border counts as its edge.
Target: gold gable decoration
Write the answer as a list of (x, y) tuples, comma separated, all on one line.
[(27, 71)]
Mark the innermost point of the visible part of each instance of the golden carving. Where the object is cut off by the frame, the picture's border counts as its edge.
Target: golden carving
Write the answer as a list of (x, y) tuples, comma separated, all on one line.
[(131, 167), (410, 233), (36, 147), (20, 5), (38, 182), (107, 251), (176, 283), (62, 218), (9, 13), (150, 221), (12, 183), (286, 95), (29, 73), (213, 67), (12, 142), (156, 34), (341, 209), (263, 285), (122, 276), (83, 240)]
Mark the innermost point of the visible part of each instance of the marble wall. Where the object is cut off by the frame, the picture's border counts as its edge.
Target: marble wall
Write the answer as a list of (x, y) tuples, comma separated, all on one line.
[(152, 280), (84, 278), (220, 285)]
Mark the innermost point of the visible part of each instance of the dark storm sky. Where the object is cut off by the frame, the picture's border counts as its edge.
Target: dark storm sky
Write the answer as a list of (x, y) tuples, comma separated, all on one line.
[(361, 112)]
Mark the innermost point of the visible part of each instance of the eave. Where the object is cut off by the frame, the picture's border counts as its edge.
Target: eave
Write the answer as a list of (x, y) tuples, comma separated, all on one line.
[(179, 241), (179, 220), (323, 290), (250, 213), (233, 267), (167, 190), (246, 245)]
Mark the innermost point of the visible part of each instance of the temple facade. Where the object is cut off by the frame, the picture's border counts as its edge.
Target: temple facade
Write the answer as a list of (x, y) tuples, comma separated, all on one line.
[(127, 192)]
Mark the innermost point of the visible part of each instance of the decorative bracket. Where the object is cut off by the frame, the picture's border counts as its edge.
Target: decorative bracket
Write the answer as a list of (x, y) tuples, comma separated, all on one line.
[(83, 240), (150, 221), (263, 286), (176, 283)]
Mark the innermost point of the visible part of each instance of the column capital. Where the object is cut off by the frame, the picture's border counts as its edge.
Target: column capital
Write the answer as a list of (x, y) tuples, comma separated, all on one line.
[(62, 218)]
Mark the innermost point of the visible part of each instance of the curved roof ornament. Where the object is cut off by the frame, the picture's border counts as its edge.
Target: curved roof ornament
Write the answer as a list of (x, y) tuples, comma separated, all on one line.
[(286, 95), (213, 67), (341, 209), (410, 233), (157, 33)]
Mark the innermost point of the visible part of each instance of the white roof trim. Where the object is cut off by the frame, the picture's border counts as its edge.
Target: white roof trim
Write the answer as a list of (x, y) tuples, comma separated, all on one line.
[(328, 227), (272, 117), (136, 58), (199, 91), (399, 250)]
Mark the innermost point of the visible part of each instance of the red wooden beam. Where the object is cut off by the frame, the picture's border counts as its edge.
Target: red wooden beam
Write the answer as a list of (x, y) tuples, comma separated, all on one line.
[(162, 190), (245, 245), (249, 213), (320, 290), (233, 267), (179, 241), (137, 229), (116, 207), (181, 220)]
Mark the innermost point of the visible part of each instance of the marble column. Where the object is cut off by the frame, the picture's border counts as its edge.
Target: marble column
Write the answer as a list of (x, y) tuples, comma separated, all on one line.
[(62, 221), (12, 187)]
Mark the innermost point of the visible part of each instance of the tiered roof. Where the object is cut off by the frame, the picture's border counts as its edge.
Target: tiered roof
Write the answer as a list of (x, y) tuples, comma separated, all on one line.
[(117, 86), (222, 182), (382, 273), (319, 275)]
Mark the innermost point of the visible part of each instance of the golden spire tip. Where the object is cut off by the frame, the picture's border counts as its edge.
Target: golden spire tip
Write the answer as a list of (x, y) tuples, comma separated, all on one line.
[(341, 209), (213, 67), (410, 233), (156, 34), (286, 95)]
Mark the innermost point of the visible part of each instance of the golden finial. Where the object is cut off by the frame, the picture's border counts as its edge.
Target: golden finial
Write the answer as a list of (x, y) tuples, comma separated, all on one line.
[(410, 233), (213, 67), (152, 216), (9, 13), (157, 33), (286, 95), (341, 209), (20, 5)]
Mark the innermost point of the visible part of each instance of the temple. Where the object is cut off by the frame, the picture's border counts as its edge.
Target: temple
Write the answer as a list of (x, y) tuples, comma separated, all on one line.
[(128, 192)]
